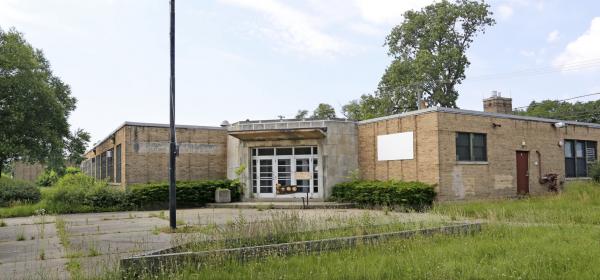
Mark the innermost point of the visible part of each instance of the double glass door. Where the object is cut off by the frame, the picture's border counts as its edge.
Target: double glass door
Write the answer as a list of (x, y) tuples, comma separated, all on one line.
[(286, 173)]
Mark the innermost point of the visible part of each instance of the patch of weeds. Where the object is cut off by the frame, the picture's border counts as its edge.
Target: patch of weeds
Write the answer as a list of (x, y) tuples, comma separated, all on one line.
[(156, 230), (183, 229), (2, 223), (74, 268), (61, 230), (93, 252), (160, 215), (42, 254), (21, 234), (262, 207)]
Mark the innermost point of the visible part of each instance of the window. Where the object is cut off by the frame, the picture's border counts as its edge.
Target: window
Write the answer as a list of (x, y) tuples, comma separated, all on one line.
[(471, 146), (110, 165), (579, 155), (98, 167), (118, 160)]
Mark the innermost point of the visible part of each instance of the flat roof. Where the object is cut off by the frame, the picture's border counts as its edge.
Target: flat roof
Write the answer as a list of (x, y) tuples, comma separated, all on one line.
[(478, 113), (162, 125)]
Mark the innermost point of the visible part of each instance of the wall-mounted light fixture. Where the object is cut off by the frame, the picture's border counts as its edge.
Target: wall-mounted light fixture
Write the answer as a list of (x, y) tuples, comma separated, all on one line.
[(494, 125)]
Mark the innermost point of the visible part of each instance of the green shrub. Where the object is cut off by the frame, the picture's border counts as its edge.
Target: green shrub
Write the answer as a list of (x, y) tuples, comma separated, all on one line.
[(189, 194), (17, 191), (72, 170), (47, 178), (80, 193), (414, 195), (595, 172)]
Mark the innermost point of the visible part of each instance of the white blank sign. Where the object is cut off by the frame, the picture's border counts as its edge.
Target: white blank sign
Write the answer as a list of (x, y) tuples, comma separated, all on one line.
[(395, 146)]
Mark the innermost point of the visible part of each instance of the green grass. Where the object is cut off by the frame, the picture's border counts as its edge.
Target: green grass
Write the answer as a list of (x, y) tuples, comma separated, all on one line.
[(578, 204), (549, 237), (500, 252)]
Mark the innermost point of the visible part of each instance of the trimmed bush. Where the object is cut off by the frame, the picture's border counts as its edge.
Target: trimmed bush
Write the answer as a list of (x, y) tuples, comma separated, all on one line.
[(17, 191), (189, 194), (414, 195), (78, 192)]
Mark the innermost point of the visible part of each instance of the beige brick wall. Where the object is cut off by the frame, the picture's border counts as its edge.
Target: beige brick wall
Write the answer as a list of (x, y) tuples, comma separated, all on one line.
[(27, 171), (425, 165), (497, 177), (435, 153), (144, 153), (143, 166)]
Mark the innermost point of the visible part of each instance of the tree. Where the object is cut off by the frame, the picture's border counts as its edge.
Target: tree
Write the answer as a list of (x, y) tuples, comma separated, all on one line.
[(302, 114), (562, 110), (34, 105), (429, 58), (323, 111), (76, 146)]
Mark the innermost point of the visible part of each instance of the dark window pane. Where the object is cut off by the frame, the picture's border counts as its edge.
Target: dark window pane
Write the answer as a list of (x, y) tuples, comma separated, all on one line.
[(479, 147), (284, 151), (463, 150), (315, 151), (568, 149), (266, 152), (266, 189), (119, 164), (581, 167), (579, 149), (302, 151)]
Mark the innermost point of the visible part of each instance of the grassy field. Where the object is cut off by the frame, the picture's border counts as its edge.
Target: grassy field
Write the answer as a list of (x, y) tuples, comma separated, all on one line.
[(550, 237)]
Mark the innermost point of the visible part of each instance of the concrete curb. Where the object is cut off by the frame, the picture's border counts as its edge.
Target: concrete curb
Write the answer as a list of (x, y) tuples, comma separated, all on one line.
[(154, 261), (275, 205)]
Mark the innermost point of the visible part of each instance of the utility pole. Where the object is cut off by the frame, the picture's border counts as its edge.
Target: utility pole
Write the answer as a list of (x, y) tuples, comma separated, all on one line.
[(173, 143)]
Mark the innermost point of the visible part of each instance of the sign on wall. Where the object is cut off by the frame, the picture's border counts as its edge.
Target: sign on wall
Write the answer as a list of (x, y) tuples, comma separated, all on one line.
[(397, 146), (184, 148)]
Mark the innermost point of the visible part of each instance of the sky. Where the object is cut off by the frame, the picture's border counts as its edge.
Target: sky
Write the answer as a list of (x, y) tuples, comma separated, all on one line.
[(238, 60)]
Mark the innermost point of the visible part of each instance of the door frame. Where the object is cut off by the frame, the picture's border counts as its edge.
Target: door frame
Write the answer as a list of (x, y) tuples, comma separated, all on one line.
[(520, 190), (275, 170)]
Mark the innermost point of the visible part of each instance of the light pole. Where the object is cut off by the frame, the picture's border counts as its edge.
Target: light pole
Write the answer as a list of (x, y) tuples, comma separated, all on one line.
[(172, 144)]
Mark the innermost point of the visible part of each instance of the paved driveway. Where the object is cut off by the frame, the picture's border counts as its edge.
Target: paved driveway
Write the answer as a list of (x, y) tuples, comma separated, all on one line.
[(57, 247)]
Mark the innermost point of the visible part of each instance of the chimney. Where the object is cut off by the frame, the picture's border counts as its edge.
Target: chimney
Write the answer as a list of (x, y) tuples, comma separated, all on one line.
[(498, 104)]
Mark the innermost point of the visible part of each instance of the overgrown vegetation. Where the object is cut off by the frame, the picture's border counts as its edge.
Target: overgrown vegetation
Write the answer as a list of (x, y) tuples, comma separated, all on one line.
[(578, 204), (594, 172), (76, 192), (15, 191), (414, 195), (548, 237), (189, 194)]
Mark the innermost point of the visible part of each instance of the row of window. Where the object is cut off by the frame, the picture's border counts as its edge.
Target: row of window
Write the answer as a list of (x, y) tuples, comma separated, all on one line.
[(579, 154), (102, 166)]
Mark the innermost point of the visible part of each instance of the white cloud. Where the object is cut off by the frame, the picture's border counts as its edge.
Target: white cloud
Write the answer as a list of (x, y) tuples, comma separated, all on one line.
[(505, 11), (294, 29), (583, 50), (553, 36), (387, 11)]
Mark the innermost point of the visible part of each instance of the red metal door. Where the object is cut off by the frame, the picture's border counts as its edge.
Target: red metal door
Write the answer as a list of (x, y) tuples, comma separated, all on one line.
[(522, 172)]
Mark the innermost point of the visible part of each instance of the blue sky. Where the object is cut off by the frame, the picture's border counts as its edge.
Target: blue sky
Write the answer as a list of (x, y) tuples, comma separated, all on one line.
[(240, 60)]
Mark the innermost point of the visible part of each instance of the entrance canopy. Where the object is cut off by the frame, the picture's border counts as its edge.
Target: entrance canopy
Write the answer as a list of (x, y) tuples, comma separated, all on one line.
[(279, 134)]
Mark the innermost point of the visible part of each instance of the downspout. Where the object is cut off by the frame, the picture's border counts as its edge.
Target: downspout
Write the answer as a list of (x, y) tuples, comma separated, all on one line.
[(540, 178)]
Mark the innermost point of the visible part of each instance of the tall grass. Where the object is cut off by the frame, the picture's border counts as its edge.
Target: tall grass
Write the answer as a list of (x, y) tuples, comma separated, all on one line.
[(578, 204)]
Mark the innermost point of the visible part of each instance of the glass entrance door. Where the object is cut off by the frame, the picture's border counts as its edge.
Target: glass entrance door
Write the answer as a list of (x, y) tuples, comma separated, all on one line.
[(285, 172)]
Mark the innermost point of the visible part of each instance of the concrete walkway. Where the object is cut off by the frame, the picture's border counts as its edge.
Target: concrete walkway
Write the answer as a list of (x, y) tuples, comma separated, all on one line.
[(59, 247)]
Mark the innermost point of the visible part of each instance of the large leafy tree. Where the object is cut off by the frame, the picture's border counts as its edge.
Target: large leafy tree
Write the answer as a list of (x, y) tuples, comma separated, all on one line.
[(429, 58), (34, 106), (323, 111), (562, 110)]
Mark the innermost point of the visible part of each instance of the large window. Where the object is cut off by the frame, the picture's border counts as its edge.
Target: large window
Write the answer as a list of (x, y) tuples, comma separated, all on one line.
[(579, 154), (471, 146), (118, 164)]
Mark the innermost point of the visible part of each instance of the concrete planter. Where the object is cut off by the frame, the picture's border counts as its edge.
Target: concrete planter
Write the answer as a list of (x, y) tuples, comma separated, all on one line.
[(222, 196)]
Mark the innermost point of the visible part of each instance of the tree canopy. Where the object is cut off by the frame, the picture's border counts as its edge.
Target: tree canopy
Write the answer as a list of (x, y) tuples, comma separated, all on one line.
[(562, 110), (34, 106), (323, 111), (429, 59)]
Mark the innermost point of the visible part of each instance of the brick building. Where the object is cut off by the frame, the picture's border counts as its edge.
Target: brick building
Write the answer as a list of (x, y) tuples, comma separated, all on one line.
[(138, 153), (466, 154)]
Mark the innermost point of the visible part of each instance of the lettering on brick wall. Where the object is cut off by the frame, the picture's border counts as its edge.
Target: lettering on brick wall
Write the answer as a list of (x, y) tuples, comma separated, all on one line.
[(184, 148)]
